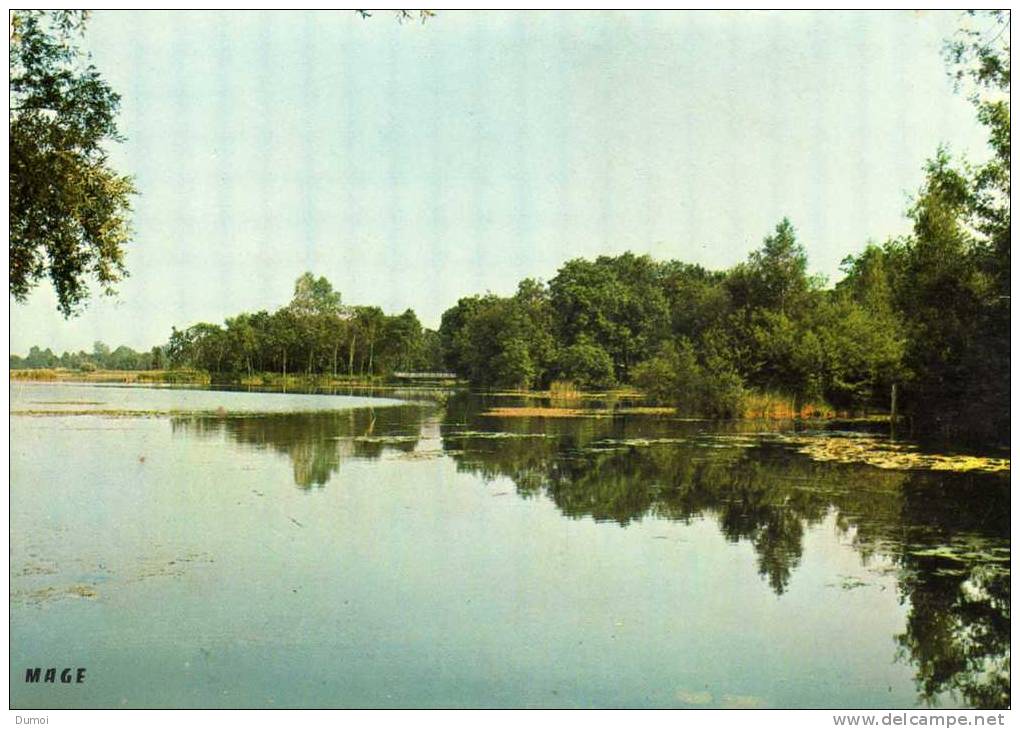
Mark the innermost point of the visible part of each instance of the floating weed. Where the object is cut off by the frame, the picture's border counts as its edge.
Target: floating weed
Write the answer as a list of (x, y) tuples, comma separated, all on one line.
[(848, 582), (728, 441), (564, 412), (495, 435), (621, 444), (420, 455), (83, 591), (44, 595), (729, 701), (693, 698), (380, 438), (886, 454), (645, 411), (37, 568), (963, 554), (539, 412)]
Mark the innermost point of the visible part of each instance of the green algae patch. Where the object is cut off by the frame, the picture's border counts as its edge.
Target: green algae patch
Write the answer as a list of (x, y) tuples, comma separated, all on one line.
[(883, 453), (562, 412), (498, 435), (83, 591), (390, 439), (545, 413), (108, 413), (42, 595), (609, 443)]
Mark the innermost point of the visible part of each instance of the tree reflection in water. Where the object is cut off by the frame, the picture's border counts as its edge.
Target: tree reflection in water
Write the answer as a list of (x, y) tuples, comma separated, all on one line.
[(946, 533), (317, 443)]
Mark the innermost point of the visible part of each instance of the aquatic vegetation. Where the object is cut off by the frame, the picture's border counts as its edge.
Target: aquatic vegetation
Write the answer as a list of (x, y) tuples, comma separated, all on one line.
[(426, 455), (693, 698), (540, 412), (42, 595), (648, 410), (730, 701), (636, 442), (108, 413), (494, 435), (380, 438), (849, 582), (573, 412), (884, 453)]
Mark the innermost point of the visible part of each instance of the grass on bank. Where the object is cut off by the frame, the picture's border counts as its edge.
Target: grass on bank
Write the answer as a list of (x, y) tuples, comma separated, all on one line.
[(191, 377), (194, 377)]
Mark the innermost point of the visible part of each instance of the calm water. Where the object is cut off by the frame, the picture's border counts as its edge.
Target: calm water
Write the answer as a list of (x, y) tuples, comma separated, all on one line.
[(327, 554)]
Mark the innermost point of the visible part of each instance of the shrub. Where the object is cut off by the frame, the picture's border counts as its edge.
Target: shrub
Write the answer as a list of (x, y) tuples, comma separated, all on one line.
[(675, 376), (586, 364)]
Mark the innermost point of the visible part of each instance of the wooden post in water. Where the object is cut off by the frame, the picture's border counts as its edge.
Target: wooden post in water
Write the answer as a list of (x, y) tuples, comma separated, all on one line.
[(892, 414)]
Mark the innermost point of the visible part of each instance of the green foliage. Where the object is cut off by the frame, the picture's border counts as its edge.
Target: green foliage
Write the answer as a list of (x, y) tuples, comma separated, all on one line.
[(950, 296), (617, 303), (676, 376), (68, 208), (697, 299), (122, 358), (775, 276), (501, 342), (863, 352), (953, 286), (586, 364), (314, 334), (494, 342)]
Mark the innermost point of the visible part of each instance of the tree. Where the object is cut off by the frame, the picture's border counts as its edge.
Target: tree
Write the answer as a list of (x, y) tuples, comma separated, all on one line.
[(775, 276), (371, 322), (697, 299), (282, 336), (496, 341), (953, 287), (100, 353), (958, 351), (403, 342), (453, 334), (586, 364), (617, 303), (242, 341), (313, 296), (68, 208)]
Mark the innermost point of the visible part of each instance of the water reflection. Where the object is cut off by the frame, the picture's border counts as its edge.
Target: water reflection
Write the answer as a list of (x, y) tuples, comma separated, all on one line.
[(316, 443), (946, 534)]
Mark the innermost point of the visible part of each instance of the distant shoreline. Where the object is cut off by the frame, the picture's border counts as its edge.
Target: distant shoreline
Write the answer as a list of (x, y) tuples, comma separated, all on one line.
[(189, 377)]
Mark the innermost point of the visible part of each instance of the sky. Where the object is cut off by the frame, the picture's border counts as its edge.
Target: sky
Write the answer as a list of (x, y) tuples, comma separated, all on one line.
[(415, 164)]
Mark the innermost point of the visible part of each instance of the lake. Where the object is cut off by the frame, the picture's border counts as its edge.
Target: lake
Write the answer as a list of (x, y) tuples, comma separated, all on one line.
[(209, 548)]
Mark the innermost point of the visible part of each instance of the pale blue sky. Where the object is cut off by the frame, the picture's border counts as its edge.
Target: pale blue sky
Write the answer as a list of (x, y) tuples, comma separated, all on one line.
[(412, 165)]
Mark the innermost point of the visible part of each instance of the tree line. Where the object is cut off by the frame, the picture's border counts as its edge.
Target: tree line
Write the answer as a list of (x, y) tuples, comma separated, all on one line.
[(315, 334), (100, 358), (927, 312), (692, 337)]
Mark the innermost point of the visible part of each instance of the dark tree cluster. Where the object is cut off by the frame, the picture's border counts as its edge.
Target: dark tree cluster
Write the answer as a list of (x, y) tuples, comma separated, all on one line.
[(688, 336)]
